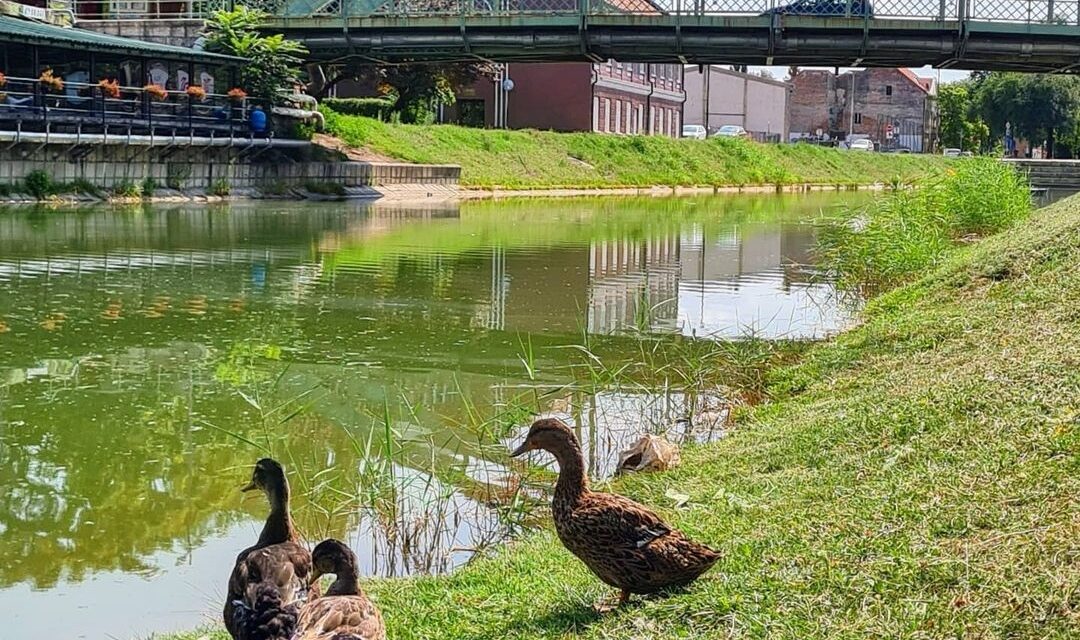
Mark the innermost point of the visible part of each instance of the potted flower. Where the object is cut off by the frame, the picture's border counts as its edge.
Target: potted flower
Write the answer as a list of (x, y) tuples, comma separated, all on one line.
[(156, 92), (237, 96), (195, 93), (3, 82), (50, 81), (109, 88)]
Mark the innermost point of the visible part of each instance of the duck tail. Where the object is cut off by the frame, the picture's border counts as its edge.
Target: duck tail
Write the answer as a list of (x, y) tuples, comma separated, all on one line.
[(265, 618)]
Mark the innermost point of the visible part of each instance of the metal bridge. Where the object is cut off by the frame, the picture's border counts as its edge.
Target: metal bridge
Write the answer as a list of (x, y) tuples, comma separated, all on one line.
[(1023, 35)]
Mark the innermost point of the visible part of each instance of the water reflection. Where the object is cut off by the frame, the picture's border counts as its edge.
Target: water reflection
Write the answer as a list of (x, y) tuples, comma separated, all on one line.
[(148, 356)]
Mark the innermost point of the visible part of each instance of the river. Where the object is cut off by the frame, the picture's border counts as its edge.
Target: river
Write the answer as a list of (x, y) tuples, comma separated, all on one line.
[(149, 355)]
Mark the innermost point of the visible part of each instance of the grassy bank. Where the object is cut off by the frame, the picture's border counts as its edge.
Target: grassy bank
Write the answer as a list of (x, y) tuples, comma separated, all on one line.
[(542, 159), (915, 477)]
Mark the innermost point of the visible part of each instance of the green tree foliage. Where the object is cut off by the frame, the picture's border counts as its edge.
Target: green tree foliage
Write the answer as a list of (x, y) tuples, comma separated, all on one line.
[(1040, 107), (415, 89), (960, 128), (274, 62)]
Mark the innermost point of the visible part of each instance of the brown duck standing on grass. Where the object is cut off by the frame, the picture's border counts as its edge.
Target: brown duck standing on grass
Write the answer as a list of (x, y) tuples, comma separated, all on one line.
[(270, 579), (344, 613), (625, 544)]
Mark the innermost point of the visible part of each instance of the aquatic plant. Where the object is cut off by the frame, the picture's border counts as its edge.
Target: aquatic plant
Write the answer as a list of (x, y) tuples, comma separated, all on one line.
[(895, 237)]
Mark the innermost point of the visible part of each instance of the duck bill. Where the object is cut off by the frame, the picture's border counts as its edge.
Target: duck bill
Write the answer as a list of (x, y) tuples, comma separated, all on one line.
[(315, 575), (522, 450), (250, 487)]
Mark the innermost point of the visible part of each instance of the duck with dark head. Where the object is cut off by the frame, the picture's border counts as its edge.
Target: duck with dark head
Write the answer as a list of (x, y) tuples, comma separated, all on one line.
[(624, 543), (270, 579), (345, 612)]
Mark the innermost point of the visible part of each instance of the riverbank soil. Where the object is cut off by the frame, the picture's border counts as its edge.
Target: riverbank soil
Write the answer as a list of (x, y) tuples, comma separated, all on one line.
[(529, 159), (917, 476)]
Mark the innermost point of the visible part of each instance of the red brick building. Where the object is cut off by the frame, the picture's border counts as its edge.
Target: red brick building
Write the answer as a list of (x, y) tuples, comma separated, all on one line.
[(611, 97), (893, 107)]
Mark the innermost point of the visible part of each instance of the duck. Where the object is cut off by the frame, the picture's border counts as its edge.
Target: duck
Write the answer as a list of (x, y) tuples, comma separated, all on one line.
[(625, 544), (270, 580), (343, 612)]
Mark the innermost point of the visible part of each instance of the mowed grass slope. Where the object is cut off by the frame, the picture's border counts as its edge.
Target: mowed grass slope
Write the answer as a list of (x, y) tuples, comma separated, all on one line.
[(531, 159), (917, 477)]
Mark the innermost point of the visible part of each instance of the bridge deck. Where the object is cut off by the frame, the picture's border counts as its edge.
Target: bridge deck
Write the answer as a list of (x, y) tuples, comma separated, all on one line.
[(1028, 35)]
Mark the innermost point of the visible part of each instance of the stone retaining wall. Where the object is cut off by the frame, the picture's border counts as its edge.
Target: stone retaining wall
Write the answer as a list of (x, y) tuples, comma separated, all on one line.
[(206, 169)]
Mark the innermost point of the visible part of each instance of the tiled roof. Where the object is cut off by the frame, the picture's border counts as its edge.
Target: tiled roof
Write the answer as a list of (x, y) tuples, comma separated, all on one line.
[(17, 30)]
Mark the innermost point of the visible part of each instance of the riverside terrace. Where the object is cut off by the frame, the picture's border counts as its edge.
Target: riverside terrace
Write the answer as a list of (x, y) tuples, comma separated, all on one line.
[(64, 81)]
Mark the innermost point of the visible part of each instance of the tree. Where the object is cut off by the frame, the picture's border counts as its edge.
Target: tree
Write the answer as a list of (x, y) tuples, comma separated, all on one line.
[(1040, 107), (960, 126), (416, 89), (273, 61)]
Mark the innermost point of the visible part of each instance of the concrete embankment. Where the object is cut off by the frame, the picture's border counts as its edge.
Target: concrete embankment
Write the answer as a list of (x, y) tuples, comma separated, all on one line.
[(72, 167)]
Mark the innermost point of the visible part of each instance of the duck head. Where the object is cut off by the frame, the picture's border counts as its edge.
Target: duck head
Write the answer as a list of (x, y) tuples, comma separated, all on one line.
[(268, 477), (334, 557), (548, 434)]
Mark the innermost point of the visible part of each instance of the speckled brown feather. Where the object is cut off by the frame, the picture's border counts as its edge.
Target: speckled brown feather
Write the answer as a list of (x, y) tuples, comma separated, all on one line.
[(624, 543), (340, 618), (345, 613), (276, 563)]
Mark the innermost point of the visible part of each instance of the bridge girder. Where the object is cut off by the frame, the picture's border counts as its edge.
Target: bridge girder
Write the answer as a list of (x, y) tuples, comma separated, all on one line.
[(754, 40)]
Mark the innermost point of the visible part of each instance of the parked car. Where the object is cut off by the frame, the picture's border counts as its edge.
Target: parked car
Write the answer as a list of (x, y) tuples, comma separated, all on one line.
[(951, 153), (731, 131), (694, 132), (859, 8), (862, 144), (966, 154)]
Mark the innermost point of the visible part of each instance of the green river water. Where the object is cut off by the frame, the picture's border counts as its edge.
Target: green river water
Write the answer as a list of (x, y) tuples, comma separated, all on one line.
[(149, 355)]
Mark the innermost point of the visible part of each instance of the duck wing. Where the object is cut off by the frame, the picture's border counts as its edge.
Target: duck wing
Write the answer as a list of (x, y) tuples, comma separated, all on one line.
[(266, 590), (340, 618), (620, 521)]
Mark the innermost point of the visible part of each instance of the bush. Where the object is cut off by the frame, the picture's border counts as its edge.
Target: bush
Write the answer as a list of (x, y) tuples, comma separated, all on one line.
[(149, 185), (39, 184), (903, 233), (325, 188), (220, 187), (127, 189), (377, 108)]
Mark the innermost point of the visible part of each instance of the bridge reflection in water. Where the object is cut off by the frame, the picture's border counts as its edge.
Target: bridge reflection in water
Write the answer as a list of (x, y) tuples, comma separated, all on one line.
[(127, 337)]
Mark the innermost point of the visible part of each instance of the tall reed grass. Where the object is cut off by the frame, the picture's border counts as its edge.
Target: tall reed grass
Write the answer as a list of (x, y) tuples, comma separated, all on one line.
[(893, 238)]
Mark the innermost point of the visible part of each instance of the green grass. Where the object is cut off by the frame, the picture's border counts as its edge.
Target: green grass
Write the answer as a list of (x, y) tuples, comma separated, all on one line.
[(916, 477), (531, 159), (885, 241)]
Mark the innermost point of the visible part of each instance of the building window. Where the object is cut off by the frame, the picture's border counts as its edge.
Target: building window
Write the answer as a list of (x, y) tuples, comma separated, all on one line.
[(618, 116), (607, 115), (640, 118), (595, 114), (888, 89), (627, 106), (858, 118)]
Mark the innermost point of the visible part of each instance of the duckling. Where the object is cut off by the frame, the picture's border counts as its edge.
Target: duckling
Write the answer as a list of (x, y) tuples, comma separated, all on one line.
[(344, 613), (270, 579), (625, 544)]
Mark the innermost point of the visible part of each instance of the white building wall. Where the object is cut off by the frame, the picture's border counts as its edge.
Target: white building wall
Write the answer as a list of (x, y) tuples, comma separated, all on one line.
[(757, 104)]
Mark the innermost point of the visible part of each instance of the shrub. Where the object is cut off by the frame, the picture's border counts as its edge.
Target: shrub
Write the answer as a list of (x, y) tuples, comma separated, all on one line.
[(127, 189), (377, 108), (149, 185), (82, 185), (325, 188), (220, 187), (39, 184)]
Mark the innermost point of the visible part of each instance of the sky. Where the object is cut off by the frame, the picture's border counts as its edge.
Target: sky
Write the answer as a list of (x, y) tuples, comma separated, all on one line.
[(947, 75)]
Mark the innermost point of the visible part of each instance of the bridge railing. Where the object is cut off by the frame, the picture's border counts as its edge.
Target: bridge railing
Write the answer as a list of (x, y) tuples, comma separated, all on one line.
[(1052, 12)]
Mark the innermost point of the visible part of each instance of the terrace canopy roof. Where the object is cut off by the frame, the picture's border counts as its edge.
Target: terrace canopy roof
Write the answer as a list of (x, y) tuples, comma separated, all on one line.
[(19, 31)]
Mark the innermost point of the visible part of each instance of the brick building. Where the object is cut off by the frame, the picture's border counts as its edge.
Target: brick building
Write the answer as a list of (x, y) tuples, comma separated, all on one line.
[(609, 97), (892, 107)]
